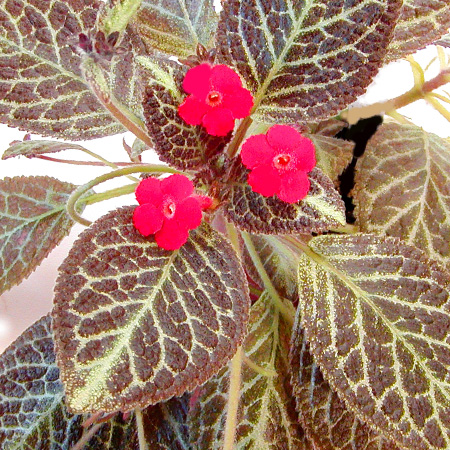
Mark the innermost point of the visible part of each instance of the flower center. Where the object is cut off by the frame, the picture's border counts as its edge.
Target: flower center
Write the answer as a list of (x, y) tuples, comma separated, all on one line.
[(282, 161), (169, 208), (214, 98)]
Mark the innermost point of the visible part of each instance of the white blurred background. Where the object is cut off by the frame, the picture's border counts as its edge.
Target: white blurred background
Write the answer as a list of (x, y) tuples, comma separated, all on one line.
[(23, 304)]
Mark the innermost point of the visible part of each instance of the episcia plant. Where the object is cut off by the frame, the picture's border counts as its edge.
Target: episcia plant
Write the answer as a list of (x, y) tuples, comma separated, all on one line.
[(240, 302)]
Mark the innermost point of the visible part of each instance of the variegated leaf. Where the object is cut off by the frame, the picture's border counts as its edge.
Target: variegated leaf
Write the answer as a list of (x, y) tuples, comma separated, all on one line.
[(444, 41), (324, 416), (319, 211), (177, 143), (402, 188), (305, 60), (279, 261), (41, 87), (376, 313), (266, 412), (32, 411), (333, 155), (32, 148), (33, 221), (329, 127), (176, 27), (165, 425), (420, 23), (136, 324)]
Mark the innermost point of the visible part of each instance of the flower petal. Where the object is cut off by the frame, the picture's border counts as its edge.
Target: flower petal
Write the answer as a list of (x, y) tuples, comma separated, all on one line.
[(171, 236), (239, 101), (265, 180), (197, 81), (283, 137), (192, 110), (177, 186), (224, 78), (147, 219), (305, 155), (188, 213), (294, 187), (256, 151), (149, 191), (218, 121)]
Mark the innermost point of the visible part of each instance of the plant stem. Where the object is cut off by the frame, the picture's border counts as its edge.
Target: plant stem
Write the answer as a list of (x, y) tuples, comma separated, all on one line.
[(78, 193), (276, 298), (233, 400), (237, 139), (416, 93), (83, 163), (87, 436), (141, 430), (112, 193), (437, 106)]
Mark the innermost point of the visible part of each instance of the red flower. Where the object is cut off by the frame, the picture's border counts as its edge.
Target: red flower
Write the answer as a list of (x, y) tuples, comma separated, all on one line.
[(217, 98), (279, 163), (168, 209)]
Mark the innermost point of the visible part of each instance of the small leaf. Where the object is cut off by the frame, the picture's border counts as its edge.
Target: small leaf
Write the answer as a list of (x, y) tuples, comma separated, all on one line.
[(279, 261), (32, 148), (176, 27), (136, 324), (333, 155), (419, 24), (42, 89), (33, 414), (305, 61), (177, 143), (266, 412), (324, 416), (376, 313), (319, 211), (401, 188), (33, 222), (165, 425)]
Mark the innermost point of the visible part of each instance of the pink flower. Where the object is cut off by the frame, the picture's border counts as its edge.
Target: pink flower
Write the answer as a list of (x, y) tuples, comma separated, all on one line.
[(168, 209), (279, 163), (217, 98)]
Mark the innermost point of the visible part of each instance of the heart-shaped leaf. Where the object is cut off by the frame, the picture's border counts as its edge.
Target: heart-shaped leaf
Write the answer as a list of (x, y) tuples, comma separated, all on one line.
[(33, 221), (136, 324), (319, 211), (176, 27), (177, 143), (266, 411), (376, 313), (324, 416), (32, 410), (402, 188), (419, 24), (305, 60)]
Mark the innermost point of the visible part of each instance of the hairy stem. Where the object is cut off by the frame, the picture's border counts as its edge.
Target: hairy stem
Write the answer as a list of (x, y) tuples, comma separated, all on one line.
[(416, 93), (143, 445), (83, 163), (276, 298), (437, 106), (79, 193), (238, 137), (233, 400)]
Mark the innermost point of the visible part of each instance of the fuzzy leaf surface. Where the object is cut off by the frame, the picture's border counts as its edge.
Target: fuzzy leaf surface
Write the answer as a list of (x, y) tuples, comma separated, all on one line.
[(33, 415), (136, 324), (420, 23), (176, 27), (41, 86), (319, 211), (165, 424), (402, 188), (323, 415), (266, 411), (32, 148), (305, 60), (376, 313), (177, 143), (444, 41), (33, 221), (279, 261), (333, 155)]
